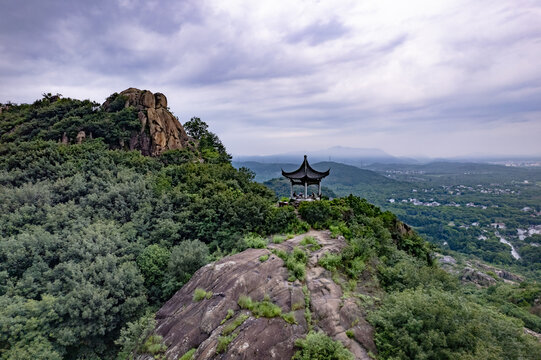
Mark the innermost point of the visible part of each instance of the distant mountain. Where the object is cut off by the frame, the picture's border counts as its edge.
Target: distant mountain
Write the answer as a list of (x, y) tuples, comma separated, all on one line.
[(347, 155), (340, 173), (342, 181), (265, 171)]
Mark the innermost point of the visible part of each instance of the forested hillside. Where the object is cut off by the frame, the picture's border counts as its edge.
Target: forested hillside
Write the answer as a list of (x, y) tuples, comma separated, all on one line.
[(94, 237)]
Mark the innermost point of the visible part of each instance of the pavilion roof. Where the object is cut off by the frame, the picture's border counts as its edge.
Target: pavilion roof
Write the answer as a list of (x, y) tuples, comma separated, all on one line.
[(305, 173)]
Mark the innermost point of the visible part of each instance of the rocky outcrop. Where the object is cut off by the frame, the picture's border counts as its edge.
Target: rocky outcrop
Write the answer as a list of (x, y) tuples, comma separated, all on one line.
[(476, 272), (186, 324), (502, 274), (477, 277), (160, 130)]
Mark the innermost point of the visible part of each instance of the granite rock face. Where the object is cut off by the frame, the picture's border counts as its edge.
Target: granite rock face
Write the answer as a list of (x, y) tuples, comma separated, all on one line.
[(160, 130), (186, 324)]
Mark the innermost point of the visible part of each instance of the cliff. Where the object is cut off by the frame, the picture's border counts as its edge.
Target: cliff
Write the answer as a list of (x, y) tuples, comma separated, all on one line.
[(160, 129)]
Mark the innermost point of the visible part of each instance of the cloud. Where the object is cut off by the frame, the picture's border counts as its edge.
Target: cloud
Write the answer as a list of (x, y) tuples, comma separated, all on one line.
[(356, 71), (319, 32)]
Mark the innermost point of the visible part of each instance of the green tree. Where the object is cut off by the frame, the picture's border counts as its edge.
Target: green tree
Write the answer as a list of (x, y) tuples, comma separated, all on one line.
[(185, 259), (196, 128), (153, 264)]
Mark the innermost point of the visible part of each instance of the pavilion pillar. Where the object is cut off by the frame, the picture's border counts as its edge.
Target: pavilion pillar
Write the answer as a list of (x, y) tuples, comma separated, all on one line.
[(319, 189), (291, 192), (306, 190)]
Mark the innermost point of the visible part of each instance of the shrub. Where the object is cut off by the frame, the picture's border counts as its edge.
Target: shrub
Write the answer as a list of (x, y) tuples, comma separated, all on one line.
[(229, 328), (255, 242), (355, 267), (229, 315), (134, 334), (264, 258), (311, 242), (266, 309), (295, 262), (278, 239), (316, 213), (289, 318), (153, 346), (223, 342), (263, 308), (282, 220), (153, 263), (318, 346), (245, 302), (200, 294), (188, 355), (330, 261)]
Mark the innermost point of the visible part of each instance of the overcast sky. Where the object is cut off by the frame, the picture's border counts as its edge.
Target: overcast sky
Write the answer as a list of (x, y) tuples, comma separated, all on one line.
[(431, 78)]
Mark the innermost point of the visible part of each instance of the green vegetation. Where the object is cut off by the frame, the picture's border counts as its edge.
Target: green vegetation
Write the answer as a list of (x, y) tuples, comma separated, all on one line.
[(230, 313), (318, 346), (133, 335), (289, 318), (307, 312), (223, 342), (200, 294), (330, 261), (263, 308), (264, 258), (234, 324), (442, 325), (188, 355), (295, 262), (254, 242), (153, 346), (92, 235), (350, 334), (310, 242), (426, 313)]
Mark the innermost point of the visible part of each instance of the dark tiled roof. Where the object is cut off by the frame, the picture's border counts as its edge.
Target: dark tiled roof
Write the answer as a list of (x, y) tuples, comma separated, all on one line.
[(305, 173)]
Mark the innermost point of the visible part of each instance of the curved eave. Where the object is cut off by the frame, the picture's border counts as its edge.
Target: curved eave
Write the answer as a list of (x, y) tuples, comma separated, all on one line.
[(302, 176)]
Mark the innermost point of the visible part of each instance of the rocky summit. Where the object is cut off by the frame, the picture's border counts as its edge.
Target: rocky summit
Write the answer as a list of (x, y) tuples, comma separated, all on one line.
[(220, 326), (160, 129)]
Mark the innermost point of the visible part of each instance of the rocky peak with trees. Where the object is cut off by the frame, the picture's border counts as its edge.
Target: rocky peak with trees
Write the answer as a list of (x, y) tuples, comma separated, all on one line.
[(160, 129)]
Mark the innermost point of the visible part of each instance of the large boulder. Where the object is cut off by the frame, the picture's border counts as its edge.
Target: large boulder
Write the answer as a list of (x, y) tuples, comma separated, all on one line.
[(160, 130), (187, 324)]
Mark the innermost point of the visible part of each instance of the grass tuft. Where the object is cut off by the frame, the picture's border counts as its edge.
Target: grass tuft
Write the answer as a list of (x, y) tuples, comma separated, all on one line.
[(200, 294)]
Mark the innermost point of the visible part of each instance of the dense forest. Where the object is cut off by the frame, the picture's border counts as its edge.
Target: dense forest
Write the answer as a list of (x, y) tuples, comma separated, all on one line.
[(94, 238)]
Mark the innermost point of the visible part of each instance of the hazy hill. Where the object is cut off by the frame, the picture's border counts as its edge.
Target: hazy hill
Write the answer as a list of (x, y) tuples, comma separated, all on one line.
[(347, 155), (340, 173), (342, 180)]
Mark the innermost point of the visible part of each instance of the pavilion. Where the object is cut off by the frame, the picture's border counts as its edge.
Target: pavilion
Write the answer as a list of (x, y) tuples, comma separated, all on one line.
[(305, 175)]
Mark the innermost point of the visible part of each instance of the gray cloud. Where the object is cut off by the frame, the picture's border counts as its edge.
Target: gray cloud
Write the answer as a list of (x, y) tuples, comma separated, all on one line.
[(319, 32), (347, 73)]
